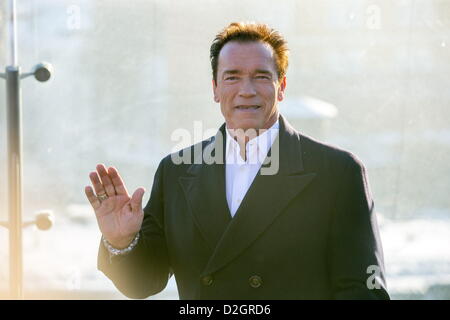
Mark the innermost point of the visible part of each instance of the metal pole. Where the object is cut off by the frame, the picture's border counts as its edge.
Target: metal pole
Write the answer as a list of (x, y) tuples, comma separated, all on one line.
[(41, 72), (14, 124), (14, 127)]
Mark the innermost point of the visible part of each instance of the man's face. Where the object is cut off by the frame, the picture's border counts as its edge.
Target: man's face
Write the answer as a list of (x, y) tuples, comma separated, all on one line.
[(247, 85)]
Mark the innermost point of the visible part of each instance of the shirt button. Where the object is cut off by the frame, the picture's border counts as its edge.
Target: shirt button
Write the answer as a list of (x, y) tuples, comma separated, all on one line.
[(207, 280), (255, 281)]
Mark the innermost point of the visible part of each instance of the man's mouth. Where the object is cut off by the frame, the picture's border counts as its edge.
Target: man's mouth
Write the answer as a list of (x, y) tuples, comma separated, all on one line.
[(248, 107)]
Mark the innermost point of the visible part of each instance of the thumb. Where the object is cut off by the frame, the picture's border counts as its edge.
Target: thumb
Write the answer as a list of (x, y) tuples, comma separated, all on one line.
[(136, 200)]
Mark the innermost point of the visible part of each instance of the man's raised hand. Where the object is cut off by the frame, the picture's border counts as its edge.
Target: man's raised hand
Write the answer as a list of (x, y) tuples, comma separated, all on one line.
[(119, 216)]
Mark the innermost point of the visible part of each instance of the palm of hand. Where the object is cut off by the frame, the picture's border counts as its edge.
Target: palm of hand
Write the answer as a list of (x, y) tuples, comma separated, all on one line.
[(116, 218), (119, 216)]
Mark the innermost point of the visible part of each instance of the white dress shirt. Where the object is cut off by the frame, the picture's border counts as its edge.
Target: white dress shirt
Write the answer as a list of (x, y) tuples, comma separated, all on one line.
[(240, 173)]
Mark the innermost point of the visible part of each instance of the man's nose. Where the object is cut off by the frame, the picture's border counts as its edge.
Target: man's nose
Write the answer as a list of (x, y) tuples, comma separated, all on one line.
[(247, 88)]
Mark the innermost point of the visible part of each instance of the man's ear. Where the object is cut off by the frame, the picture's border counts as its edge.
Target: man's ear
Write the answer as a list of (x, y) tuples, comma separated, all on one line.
[(216, 96), (281, 89)]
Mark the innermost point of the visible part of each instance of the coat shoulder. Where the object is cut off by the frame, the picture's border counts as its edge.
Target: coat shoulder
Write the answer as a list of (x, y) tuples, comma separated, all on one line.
[(327, 154)]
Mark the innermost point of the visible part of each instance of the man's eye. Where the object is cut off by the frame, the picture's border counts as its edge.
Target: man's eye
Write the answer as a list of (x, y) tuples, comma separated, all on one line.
[(263, 77), (231, 78)]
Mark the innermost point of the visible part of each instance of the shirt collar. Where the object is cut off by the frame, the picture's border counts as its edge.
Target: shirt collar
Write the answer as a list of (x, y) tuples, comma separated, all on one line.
[(257, 147)]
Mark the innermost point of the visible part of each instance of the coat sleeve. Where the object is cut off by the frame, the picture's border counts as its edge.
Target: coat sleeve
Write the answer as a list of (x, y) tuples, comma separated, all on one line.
[(145, 270), (356, 254)]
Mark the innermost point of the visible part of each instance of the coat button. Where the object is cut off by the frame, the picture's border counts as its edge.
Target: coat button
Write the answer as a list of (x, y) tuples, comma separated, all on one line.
[(207, 280), (255, 281)]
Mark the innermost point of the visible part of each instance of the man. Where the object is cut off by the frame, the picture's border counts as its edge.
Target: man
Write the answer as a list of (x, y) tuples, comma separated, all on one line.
[(226, 228)]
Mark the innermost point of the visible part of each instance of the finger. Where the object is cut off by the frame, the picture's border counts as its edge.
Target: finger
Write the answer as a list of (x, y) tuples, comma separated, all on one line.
[(98, 186), (95, 203), (106, 180), (117, 181), (136, 200)]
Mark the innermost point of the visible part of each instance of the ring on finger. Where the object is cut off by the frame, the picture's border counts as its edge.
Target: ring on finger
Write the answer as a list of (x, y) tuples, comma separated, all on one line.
[(102, 196)]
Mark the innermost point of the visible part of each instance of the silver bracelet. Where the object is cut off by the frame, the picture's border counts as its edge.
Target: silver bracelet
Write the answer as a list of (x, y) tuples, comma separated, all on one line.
[(117, 252)]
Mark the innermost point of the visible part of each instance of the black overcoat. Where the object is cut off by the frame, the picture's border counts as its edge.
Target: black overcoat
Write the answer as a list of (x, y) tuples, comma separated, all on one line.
[(307, 232)]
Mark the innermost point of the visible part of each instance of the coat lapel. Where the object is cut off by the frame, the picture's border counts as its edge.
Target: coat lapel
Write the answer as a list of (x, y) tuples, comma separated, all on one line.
[(268, 195), (204, 189), (265, 200)]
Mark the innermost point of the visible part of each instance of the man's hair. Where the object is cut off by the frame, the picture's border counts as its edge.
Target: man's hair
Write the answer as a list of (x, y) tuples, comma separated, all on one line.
[(248, 32)]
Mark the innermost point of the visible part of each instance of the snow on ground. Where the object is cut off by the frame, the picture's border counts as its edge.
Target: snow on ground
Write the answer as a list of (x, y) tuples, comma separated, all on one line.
[(417, 254)]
